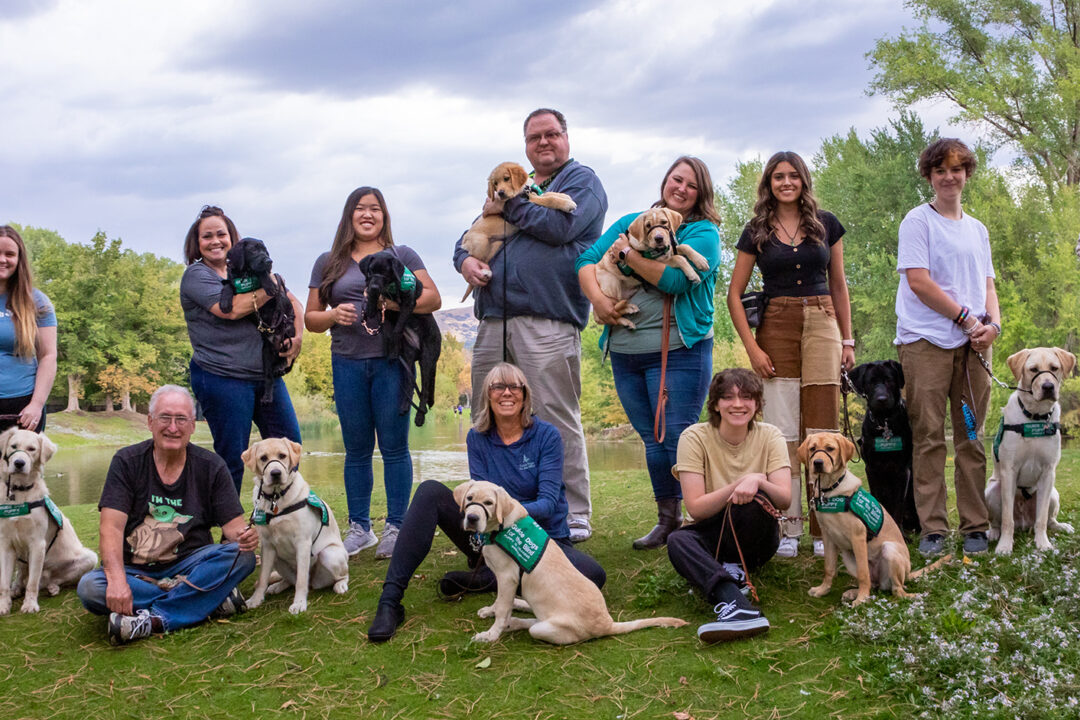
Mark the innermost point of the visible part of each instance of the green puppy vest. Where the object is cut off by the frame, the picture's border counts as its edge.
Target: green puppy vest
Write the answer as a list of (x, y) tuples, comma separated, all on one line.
[(864, 505), (525, 541), (259, 517), (1038, 429), (246, 284), (20, 509)]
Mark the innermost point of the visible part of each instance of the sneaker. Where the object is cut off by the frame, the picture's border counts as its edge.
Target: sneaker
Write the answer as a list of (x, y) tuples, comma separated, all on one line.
[(933, 544), (231, 605), (733, 622), (975, 543), (357, 538), (128, 628), (788, 548), (387, 618), (738, 576), (819, 547), (386, 544), (579, 530)]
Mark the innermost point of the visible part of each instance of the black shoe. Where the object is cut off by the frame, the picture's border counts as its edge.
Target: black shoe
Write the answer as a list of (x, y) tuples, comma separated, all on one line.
[(733, 622), (387, 618), (231, 605), (456, 583), (975, 543)]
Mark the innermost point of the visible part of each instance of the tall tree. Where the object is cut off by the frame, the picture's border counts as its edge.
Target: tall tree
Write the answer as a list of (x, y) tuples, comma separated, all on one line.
[(1011, 67)]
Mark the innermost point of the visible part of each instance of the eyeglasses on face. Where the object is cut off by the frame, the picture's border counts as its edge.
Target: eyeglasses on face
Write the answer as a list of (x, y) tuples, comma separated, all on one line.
[(549, 136), (167, 420), (499, 388)]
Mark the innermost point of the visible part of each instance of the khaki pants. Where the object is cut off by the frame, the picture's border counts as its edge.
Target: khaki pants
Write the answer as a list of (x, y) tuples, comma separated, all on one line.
[(933, 375), (802, 339), (549, 353)]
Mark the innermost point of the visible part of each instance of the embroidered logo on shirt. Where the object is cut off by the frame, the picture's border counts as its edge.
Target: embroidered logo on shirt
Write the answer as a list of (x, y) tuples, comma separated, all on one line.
[(527, 463)]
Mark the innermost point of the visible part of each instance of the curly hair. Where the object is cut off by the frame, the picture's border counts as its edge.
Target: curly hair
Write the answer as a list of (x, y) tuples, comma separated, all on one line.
[(761, 225), (946, 150)]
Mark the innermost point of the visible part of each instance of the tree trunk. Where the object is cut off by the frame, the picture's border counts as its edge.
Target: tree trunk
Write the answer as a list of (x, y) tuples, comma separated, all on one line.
[(74, 390), (125, 399), (109, 403)]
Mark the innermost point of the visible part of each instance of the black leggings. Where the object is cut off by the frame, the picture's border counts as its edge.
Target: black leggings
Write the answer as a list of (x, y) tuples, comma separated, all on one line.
[(433, 506), (10, 409)]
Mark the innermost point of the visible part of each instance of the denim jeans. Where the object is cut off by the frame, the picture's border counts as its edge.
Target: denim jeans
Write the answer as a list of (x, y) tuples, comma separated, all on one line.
[(637, 381), (230, 405), (367, 393), (183, 605)]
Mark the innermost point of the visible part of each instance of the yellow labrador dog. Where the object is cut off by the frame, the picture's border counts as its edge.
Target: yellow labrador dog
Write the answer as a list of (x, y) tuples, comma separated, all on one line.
[(297, 531), (853, 523), (568, 607), (1027, 449), (487, 233), (652, 233), (36, 539)]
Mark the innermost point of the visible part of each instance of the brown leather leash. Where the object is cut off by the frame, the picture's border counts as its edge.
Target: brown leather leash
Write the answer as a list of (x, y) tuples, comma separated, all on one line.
[(660, 424), (768, 507)]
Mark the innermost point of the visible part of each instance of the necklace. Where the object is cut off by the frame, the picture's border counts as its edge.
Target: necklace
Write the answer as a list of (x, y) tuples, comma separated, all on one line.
[(790, 236)]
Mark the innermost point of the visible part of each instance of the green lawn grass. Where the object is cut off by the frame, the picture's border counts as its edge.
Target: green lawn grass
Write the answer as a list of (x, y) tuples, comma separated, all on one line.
[(818, 660)]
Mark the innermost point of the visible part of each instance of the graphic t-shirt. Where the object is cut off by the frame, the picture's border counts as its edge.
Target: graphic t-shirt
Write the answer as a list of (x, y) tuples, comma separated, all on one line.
[(166, 522)]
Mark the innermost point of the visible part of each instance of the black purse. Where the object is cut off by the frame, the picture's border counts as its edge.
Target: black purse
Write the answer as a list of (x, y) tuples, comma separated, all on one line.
[(754, 304)]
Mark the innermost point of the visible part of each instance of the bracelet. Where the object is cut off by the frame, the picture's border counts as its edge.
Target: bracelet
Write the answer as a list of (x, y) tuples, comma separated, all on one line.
[(996, 326), (848, 342), (622, 255), (964, 310)]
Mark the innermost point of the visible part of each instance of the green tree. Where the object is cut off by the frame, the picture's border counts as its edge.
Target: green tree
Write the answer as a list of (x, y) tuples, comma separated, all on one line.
[(1010, 67)]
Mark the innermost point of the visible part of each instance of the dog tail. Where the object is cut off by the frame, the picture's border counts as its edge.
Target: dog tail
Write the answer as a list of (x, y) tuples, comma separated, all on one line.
[(932, 566), (619, 628)]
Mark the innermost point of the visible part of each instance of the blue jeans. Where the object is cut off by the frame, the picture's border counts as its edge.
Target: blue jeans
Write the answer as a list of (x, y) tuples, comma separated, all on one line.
[(230, 405), (183, 606), (367, 393), (637, 381)]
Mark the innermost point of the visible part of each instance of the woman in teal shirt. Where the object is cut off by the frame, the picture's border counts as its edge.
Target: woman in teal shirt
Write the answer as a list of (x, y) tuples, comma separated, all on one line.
[(636, 354)]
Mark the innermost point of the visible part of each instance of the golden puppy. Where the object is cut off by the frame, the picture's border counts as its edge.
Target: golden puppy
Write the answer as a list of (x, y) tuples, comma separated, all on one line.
[(1027, 449), (568, 607), (297, 531), (652, 233), (853, 523), (486, 235), (36, 539)]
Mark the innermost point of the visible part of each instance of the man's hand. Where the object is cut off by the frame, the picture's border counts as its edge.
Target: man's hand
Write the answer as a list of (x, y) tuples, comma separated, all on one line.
[(248, 540), (475, 272), (118, 595)]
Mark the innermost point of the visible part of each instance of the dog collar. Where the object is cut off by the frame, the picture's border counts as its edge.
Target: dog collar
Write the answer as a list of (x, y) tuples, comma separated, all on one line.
[(21, 488), (861, 503), (261, 517), (525, 541), (1033, 416)]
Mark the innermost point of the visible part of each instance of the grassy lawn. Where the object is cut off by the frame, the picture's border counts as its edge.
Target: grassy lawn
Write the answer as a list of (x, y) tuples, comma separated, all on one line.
[(987, 639)]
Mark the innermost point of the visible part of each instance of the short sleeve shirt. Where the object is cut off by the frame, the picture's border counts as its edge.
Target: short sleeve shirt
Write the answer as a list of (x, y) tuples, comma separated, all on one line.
[(354, 341), (18, 374), (799, 271), (230, 348), (702, 450)]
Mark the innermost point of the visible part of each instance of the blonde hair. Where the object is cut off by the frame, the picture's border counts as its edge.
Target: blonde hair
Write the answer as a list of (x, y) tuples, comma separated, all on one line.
[(483, 419), (20, 298)]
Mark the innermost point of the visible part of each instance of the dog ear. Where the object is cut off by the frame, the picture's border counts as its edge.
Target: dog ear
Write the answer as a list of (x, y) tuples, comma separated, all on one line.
[(675, 218), (847, 448), (248, 457), (1067, 360), (459, 494), (637, 227), (504, 505), (855, 374), (492, 179), (46, 447), (803, 453), (519, 177), (899, 370), (295, 451), (1016, 362)]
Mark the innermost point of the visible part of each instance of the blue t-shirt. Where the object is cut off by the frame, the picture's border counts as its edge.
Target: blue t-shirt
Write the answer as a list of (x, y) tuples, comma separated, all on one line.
[(530, 469), (17, 375)]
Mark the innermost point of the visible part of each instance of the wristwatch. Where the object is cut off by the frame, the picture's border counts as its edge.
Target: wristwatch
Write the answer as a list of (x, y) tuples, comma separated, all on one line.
[(848, 342), (622, 255)]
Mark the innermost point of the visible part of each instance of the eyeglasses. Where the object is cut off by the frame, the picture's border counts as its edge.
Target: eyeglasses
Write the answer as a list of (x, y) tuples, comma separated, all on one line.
[(499, 388), (167, 420), (550, 136)]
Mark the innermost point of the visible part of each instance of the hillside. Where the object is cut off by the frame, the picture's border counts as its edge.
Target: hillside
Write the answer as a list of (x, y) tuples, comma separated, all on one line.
[(459, 322)]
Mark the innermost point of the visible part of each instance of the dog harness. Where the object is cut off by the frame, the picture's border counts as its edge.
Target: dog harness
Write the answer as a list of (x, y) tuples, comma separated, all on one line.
[(525, 541), (20, 509), (261, 517), (864, 506), (1039, 427)]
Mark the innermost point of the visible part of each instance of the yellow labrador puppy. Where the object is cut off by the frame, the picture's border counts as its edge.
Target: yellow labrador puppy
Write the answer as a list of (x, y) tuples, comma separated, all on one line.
[(297, 530), (568, 607), (1027, 449), (652, 233), (35, 537), (487, 233)]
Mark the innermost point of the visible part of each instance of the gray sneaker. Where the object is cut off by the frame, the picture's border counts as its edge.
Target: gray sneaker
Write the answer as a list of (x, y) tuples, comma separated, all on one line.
[(357, 538), (127, 628), (975, 543), (579, 529), (386, 544), (933, 544)]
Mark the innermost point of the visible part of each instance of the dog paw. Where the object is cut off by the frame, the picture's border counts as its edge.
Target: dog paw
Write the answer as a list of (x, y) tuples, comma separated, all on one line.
[(1064, 527), (993, 534), (485, 637), (855, 597), (298, 607), (341, 586), (819, 591), (254, 601), (1004, 548), (5, 606), (1043, 543), (631, 308), (53, 589), (279, 586), (29, 606), (486, 611)]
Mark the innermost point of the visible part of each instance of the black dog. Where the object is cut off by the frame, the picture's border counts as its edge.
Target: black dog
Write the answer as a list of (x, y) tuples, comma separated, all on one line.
[(408, 336), (886, 440), (250, 268)]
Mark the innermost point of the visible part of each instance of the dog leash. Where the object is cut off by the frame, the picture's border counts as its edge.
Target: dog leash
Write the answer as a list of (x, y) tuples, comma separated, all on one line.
[(846, 388), (768, 507), (660, 423)]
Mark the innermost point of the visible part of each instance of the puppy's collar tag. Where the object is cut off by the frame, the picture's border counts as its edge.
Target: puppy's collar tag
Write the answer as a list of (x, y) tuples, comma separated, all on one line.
[(864, 506), (525, 541), (534, 189), (893, 443)]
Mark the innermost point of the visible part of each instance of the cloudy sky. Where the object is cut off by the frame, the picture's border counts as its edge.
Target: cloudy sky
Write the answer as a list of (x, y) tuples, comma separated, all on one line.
[(127, 116)]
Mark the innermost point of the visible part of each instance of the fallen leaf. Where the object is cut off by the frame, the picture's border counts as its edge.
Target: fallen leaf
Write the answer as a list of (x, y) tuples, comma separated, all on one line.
[(287, 704), (682, 715), (683, 680), (485, 663)]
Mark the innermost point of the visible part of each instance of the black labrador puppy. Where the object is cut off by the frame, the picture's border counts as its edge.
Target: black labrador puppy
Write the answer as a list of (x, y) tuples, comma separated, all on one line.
[(250, 268), (886, 440), (408, 336)]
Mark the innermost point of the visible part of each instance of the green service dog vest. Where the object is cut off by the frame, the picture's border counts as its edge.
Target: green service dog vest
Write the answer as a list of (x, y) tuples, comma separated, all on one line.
[(525, 541), (20, 509), (1038, 429), (864, 505), (259, 517)]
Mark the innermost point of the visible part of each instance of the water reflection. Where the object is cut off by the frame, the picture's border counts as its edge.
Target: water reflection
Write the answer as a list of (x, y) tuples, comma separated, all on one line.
[(75, 476)]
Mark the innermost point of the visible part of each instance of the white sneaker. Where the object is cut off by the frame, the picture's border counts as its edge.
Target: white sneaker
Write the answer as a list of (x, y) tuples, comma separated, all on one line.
[(819, 547), (579, 530), (789, 547), (123, 629), (386, 544), (357, 538)]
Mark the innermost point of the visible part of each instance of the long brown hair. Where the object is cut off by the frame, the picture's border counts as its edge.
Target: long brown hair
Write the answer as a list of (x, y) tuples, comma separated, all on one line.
[(191, 241), (761, 225), (705, 207), (341, 250), (20, 298)]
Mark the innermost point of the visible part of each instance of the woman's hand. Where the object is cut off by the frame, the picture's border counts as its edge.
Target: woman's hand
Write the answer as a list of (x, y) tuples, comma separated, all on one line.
[(292, 352), (30, 416), (746, 488), (344, 314), (608, 311), (388, 304), (760, 361), (847, 358), (621, 244)]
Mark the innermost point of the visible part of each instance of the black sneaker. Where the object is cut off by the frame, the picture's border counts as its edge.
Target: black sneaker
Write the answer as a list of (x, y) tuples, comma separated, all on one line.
[(975, 543), (387, 618), (233, 604), (733, 622), (128, 628), (456, 583)]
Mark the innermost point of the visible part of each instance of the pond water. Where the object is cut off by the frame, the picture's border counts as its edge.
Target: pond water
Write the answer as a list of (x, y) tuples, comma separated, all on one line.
[(76, 476)]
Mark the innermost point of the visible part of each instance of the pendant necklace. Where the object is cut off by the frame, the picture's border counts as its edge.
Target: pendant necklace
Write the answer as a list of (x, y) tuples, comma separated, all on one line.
[(790, 236)]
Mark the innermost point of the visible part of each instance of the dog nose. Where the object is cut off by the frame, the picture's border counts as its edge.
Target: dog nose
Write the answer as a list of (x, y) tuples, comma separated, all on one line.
[(19, 464), (276, 473), (819, 465), (1049, 390), (472, 519)]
